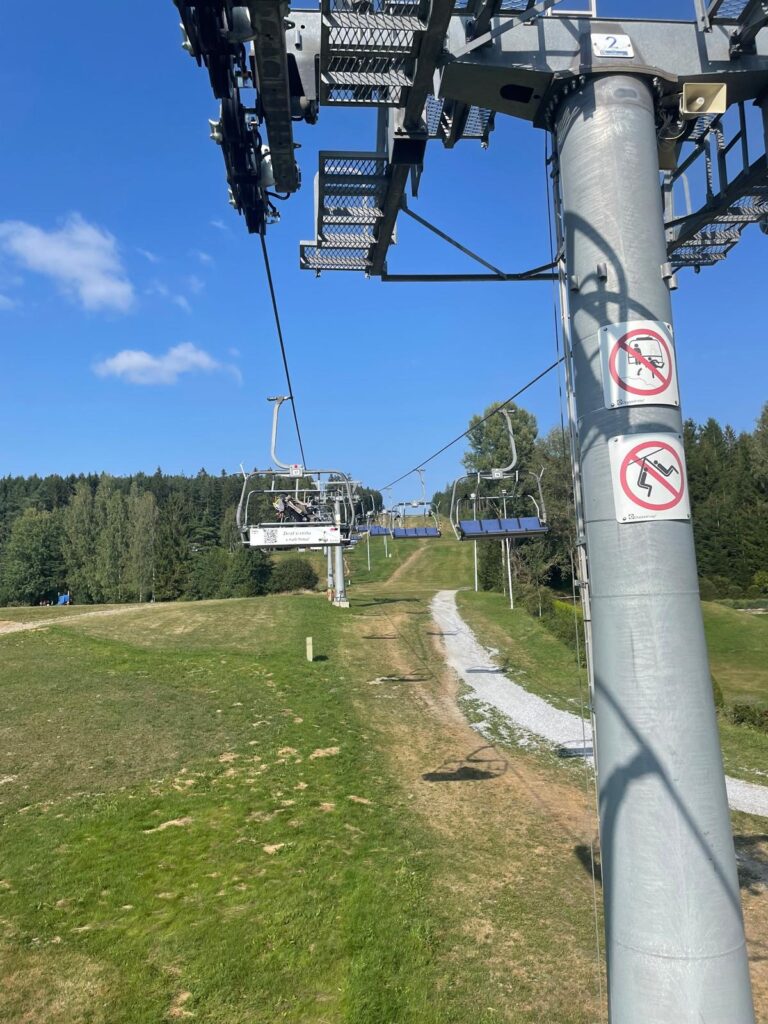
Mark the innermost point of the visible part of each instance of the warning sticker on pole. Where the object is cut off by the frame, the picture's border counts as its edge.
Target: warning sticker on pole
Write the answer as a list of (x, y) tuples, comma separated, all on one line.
[(639, 366), (648, 475)]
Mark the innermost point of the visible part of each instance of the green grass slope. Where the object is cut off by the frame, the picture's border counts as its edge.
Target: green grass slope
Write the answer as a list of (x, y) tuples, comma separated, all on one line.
[(738, 651)]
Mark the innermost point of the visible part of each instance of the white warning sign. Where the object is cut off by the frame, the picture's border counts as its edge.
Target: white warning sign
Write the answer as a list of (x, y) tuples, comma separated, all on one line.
[(649, 479), (639, 365)]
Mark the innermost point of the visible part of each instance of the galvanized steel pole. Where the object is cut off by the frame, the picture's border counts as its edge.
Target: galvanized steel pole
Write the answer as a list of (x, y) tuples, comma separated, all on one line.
[(329, 572), (340, 596), (674, 931)]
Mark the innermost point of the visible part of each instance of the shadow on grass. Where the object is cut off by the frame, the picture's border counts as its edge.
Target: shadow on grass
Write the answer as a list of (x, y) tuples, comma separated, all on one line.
[(751, 857), (411, 678), (472, 768), (752, 862), (584, 857)]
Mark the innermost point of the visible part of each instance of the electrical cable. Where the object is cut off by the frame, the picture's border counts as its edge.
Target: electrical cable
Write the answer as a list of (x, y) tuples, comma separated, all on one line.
[(278, 325), (520, 391)]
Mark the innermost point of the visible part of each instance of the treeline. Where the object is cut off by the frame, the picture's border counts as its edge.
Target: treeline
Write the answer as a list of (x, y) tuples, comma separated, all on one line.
[(163, 537), (116, 539), (728, 480)]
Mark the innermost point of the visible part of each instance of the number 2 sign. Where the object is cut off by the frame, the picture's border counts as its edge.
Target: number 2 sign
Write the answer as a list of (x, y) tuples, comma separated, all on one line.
[(612, 46)]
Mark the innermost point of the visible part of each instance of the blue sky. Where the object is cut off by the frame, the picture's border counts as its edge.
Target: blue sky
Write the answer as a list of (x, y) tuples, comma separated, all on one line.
[(116, 237)]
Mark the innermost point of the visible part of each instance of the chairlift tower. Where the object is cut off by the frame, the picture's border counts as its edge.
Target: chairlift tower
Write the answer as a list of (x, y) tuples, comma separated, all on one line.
[(633, 107)]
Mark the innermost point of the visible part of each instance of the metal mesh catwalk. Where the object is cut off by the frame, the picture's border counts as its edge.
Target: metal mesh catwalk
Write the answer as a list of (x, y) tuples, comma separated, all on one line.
[(735, 196), (442, 122), (728, 10), (714, 241), (368, 51), (350, 189)]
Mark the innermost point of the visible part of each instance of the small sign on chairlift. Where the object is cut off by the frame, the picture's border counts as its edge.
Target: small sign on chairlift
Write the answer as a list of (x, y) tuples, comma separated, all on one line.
[(617, 46), (296, 470)]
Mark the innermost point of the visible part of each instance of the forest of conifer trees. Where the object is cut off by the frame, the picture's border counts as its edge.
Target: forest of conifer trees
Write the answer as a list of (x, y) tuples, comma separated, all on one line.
[(163, 537)]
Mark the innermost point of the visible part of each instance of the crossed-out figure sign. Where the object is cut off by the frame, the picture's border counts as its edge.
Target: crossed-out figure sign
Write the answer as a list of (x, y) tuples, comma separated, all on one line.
[(638, 361), (649, 477), (656, 473), (646, 366)]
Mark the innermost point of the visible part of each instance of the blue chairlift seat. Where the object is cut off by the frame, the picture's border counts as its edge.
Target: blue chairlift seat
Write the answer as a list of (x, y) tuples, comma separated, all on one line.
[(516, 528), (414, 532), (362, 528), (379, 531)]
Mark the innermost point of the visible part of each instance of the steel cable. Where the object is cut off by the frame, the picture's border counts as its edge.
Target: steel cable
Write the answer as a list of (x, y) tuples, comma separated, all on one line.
[(279, 327), (474, 426)]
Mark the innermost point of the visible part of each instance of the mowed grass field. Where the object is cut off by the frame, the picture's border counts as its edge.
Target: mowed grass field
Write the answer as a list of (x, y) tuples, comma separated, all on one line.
[(200, 825)]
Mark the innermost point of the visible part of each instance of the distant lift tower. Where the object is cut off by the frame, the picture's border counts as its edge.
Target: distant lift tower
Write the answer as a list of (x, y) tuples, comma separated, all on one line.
[(639, 112)]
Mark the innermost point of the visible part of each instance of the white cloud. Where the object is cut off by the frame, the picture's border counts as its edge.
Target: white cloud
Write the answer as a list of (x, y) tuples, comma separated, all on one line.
[(81, 258), (195, 284), (158, 288), (6, 303), (150, 256), (204, 257), (219, 225), (139, 367)]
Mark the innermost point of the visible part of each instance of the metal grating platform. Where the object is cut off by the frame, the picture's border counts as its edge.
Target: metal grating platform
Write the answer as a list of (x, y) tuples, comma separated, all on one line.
[(317, 257), (736, 195), (730, 10), (441, 124), (368, 51), (350, 189), (712, 243)]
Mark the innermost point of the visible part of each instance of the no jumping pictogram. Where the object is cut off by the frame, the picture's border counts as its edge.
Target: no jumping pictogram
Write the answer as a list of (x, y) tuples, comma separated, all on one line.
[(649, 478)]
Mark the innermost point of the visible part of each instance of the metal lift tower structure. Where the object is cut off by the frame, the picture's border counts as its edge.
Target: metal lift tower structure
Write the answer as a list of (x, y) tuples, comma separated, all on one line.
[(634, 107)]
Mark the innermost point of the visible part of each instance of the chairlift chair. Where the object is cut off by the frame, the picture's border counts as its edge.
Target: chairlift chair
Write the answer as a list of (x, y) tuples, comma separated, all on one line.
[(419, 509), (498, 527), (313, 508)]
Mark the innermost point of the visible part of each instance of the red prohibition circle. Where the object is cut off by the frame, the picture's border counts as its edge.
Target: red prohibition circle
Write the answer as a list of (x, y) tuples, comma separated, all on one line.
[(631, 458), (622, 343)]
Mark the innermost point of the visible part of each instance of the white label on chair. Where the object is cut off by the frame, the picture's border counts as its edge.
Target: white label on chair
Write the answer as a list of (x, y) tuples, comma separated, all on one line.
[(295, 535), (613, 46)]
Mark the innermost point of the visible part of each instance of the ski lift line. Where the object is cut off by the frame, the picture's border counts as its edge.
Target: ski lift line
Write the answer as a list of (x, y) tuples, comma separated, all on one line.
[(498, 409), (279, 327)]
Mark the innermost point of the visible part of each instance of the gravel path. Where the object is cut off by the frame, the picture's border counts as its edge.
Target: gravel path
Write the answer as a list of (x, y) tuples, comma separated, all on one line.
[(474, 665)]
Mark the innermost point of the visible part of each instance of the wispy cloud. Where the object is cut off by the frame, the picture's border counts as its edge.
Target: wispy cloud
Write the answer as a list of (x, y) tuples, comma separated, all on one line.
[(81, 258), (6, 303), (158, 288), (219, 225), (139, 367), (204, 257), (195, 284), (149, 256)]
